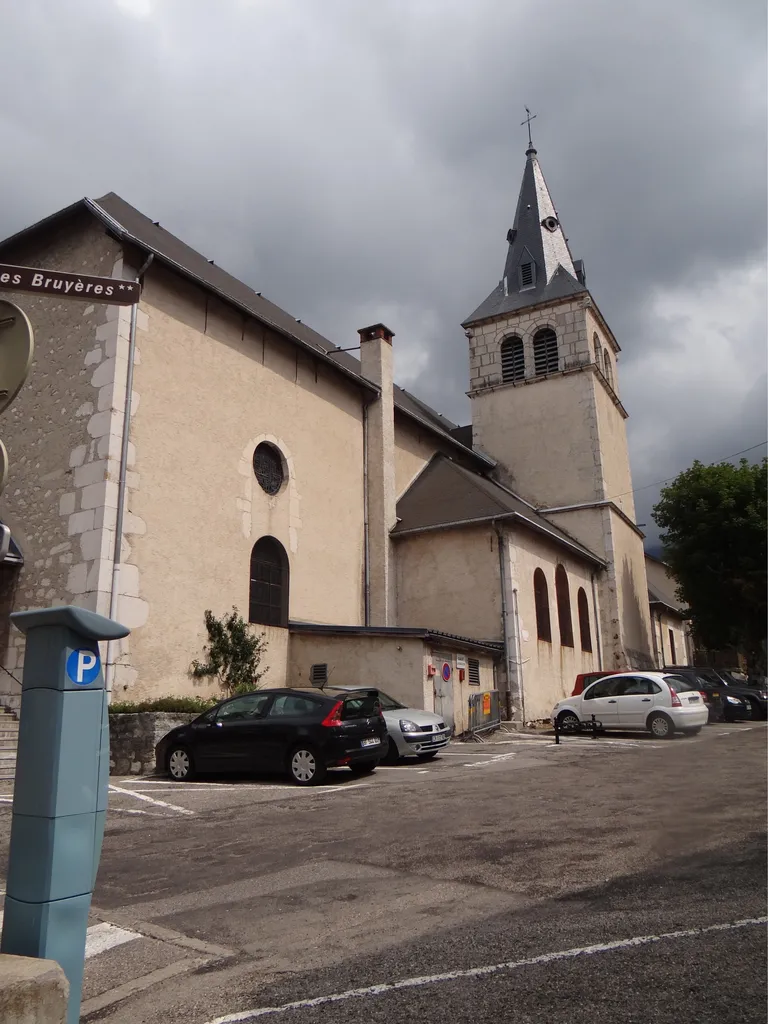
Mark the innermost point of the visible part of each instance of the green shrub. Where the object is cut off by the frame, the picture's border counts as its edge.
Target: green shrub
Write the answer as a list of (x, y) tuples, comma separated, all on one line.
[(183, 705), (233, 654)]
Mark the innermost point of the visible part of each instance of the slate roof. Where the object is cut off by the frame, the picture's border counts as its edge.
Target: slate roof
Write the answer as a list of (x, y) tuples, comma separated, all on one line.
[(557, 276), (664, 593), (323, 629), (131, 226), (446, 494)]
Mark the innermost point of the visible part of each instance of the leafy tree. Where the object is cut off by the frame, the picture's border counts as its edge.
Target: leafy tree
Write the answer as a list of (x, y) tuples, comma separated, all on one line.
[(714, 518), (233, 653)]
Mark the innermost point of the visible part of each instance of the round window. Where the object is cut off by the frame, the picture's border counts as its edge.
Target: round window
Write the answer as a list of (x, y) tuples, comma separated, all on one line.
[(268, 467)]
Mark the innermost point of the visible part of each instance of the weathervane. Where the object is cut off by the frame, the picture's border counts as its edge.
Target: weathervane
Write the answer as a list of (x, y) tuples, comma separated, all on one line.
[(527, 121)]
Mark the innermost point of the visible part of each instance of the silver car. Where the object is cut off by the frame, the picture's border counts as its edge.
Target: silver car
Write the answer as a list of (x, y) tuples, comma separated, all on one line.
[(412, 732)]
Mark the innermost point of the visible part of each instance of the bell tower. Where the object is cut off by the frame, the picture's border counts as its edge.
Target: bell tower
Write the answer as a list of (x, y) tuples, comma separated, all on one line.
[(546, 406)]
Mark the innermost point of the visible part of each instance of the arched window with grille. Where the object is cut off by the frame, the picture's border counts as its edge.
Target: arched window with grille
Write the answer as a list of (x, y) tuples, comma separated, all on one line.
[(545, 352), (268, 595), (563, 596), (584, 630), (598, 352), (541, 600), (512, 360)]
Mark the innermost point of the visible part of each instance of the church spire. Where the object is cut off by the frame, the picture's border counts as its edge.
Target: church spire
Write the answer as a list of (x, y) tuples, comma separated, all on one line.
[(539, 265)]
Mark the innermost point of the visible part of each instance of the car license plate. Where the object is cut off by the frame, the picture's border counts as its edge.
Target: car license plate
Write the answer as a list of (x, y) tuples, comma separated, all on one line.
[(715, 694), (372, 741), (692, 700)]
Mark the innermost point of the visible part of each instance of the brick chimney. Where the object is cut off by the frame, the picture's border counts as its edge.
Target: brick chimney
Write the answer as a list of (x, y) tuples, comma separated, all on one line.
[(376, 364)]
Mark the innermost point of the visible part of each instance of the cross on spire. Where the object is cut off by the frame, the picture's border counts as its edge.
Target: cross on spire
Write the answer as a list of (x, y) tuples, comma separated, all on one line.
[(527, 121)]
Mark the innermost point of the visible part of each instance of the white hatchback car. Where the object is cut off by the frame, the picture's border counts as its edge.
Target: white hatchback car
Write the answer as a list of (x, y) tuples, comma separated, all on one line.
[(655, 702)]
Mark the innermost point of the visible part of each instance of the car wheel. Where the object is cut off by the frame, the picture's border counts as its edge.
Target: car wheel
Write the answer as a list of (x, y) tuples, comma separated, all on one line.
[(568, 722), (392, 755), (305, 768), (180, 766), (364, 767), (660, 726), (427, 757)]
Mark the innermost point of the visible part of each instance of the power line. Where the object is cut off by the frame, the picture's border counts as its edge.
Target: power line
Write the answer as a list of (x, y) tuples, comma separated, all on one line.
[(657, 483)]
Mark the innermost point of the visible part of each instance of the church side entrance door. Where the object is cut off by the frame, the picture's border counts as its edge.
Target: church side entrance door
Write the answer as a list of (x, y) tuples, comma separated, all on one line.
[(443, 684)]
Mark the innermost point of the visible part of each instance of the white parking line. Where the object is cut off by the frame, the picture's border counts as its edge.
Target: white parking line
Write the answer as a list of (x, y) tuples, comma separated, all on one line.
[(101, 937), (475, 972), (104, 936), (151, 800), (129, 810)]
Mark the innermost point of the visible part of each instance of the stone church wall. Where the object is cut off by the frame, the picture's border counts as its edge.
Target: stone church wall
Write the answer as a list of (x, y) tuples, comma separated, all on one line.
[(57, 499), (212, 386), (549, 669), (449, 580)]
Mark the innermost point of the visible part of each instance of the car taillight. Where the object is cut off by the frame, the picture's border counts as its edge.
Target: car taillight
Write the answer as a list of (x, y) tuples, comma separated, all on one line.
[(333, 718), (675, 699), (703, 694)]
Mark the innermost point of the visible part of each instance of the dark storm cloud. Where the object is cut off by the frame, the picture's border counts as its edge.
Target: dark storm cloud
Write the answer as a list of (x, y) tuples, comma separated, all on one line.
[(361, 162)]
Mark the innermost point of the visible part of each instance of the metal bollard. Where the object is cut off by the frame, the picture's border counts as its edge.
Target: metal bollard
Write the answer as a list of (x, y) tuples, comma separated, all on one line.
[(60, 796), (557, 731)]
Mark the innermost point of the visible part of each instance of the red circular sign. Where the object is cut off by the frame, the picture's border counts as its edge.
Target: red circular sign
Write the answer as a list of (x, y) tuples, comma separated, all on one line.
[(446, 671)]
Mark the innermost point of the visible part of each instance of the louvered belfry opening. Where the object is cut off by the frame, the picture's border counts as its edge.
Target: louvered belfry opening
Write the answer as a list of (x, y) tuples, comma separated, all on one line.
[(512, 360), (545, 359), (526, 275)]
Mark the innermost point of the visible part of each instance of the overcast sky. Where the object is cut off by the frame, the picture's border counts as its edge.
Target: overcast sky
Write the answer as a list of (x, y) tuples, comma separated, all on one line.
[(361, 161)]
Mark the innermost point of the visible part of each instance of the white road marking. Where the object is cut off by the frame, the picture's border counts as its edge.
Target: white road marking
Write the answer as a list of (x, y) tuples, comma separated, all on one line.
[(104, 936), (101, 937), (151, 800), (130, 810), (476, 972), (174, 785), (494, 760)]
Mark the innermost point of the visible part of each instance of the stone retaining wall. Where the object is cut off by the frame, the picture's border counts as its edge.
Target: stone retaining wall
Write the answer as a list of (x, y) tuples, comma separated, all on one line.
[(132, 739)]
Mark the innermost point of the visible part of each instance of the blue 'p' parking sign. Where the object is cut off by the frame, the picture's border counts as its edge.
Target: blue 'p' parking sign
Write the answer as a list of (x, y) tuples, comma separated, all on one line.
[(83, 666)]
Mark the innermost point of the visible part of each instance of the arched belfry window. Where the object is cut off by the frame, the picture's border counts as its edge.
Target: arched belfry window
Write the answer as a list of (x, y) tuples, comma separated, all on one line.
[(541, 600), (268, 595), (545, 352), (563, 596), (584, 630), (512, 360), (608, 367), (598, 351)]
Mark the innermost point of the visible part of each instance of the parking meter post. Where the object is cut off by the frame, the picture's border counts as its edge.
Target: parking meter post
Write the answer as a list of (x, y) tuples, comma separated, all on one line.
[(594, 728), (60, 794), (557, 731)]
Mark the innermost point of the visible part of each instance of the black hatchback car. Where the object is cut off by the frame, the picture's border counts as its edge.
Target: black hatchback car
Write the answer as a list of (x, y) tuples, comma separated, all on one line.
[(301, 733), (725, 703)]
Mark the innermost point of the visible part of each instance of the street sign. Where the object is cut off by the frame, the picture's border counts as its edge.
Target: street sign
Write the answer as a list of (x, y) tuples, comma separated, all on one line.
[(69, 286), (16, 348), (446, 671)]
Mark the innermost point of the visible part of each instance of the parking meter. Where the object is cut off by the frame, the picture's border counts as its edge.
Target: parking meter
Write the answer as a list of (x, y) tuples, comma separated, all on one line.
[(61, 789)]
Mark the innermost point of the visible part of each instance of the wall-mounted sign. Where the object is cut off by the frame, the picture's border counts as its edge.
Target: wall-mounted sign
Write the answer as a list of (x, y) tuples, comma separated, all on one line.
[(69, 286), (445, 671), (461, 661)]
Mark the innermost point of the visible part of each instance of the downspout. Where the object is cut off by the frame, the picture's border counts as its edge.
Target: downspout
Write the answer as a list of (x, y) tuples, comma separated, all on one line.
[(598, 634), (518, 652), (511, 663), (117, 552), (366, 546), (655, 640)]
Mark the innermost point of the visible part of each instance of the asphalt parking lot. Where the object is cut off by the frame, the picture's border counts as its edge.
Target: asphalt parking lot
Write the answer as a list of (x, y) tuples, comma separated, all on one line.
[(615, 879)]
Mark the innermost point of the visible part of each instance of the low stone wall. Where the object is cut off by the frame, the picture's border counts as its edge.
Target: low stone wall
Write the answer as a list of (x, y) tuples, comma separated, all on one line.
[(32, 991), (132, 739)]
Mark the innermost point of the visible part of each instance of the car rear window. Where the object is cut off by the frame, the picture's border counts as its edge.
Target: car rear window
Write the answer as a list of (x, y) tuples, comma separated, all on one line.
[(679, 683), (363, 705)]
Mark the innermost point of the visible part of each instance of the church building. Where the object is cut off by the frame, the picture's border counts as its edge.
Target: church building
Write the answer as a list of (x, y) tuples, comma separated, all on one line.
[(204, 449)]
